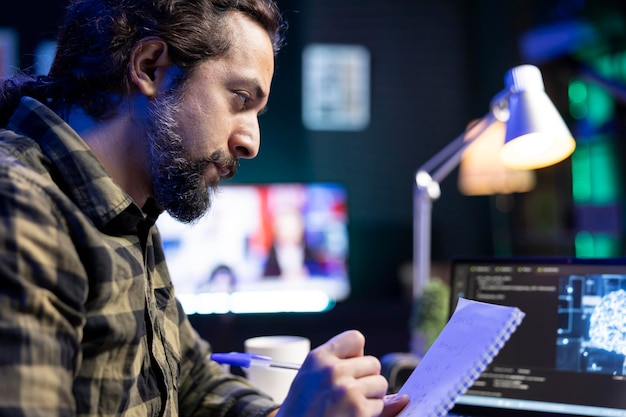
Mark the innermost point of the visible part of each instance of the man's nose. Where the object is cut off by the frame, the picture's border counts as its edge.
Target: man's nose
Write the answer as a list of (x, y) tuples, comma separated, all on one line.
[(247, 145)]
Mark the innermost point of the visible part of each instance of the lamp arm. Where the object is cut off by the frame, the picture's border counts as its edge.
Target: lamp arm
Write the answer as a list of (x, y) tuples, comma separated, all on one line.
[(448, 158), (426, 190), (444, 154), (465, 138)]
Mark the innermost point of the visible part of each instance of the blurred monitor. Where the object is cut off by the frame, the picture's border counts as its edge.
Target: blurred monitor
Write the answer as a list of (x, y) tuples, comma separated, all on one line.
[(262, 248)]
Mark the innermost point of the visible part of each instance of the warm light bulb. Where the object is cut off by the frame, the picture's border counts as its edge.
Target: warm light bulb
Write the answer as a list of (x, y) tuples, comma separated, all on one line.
[(536, 150)]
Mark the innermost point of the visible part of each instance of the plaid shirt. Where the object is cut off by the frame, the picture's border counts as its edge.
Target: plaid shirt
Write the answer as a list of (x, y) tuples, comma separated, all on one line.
[(88, 321)]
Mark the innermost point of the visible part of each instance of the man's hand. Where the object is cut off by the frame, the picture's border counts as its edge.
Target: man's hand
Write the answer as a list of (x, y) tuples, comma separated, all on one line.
[(336, 379), (394, 404)]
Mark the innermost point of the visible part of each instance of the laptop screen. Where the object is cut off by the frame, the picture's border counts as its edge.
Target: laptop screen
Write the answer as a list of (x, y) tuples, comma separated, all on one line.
[(568, 357)]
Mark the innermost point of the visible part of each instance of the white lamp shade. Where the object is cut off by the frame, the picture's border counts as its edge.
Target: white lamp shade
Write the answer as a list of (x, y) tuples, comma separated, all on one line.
[(536, 135)]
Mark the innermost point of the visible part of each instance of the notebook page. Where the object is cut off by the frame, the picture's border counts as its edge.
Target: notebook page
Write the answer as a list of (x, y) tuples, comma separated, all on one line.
[(470, 340)]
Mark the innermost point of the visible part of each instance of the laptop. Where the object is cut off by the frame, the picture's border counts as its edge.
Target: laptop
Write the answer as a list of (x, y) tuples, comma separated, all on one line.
[(568, 357)]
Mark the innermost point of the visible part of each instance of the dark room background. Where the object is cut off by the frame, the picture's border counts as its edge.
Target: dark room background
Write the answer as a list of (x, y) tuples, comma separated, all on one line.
[(435, 65)]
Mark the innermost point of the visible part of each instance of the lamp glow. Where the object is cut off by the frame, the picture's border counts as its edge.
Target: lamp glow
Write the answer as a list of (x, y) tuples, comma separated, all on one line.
[(536, 136), (482, 172)]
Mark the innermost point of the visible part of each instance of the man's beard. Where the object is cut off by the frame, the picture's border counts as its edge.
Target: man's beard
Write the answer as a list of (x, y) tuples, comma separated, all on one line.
[(178, 182)]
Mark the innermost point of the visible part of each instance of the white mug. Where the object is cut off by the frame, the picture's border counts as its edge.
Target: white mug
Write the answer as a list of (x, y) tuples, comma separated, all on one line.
[(276, 381)]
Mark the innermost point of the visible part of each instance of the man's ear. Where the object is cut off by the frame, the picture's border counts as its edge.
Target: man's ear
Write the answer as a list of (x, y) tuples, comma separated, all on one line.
[(148, 65)]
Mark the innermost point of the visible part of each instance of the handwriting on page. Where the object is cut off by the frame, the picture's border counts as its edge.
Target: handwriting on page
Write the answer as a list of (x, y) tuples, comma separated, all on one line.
[(467, 344)]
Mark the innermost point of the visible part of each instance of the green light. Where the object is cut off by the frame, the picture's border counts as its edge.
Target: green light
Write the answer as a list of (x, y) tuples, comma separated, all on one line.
[(605, 245), (581, 174), (584, 245), (595, 178), (600, 105), (577, 91), (596, 245), (578, 110), (604, 180)]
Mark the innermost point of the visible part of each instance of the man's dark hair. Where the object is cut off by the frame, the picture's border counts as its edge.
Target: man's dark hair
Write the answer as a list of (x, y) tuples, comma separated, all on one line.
[(97, 38)]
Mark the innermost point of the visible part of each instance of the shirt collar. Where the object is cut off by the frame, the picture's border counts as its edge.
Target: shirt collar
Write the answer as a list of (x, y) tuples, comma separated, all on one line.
[(86, 181)]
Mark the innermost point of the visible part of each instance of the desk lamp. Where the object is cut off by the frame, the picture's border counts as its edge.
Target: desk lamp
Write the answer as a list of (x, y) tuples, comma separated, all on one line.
[(535, 137)]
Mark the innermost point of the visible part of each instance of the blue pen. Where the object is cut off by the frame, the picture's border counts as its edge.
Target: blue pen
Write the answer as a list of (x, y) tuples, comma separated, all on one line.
[(247, 360)]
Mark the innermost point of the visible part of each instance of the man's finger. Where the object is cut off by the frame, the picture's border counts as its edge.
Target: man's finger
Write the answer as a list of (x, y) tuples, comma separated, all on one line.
[(348, 344), (393, 404)]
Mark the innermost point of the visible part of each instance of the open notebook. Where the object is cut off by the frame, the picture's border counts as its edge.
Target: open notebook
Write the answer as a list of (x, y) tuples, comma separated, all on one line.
[(568, 356), (474, 334)]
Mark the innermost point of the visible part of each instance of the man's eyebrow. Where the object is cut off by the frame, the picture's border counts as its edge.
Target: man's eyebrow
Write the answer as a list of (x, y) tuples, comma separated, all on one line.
[(253, 85)]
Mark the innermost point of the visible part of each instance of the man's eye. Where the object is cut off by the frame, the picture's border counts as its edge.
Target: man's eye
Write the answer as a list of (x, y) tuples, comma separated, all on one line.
[(244, 100)]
